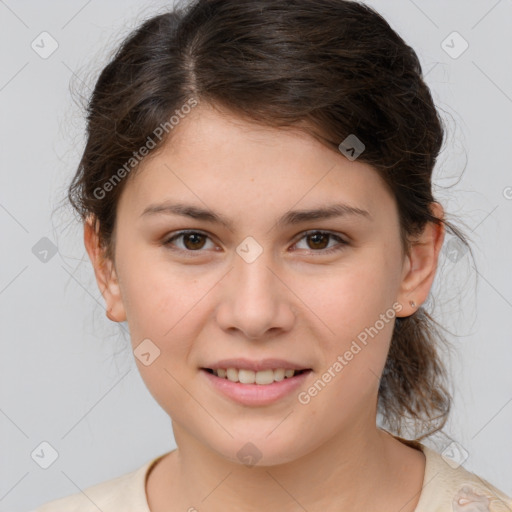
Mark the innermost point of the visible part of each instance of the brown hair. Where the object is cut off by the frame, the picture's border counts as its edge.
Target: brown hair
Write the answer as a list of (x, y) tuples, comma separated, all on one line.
[(329, 67)]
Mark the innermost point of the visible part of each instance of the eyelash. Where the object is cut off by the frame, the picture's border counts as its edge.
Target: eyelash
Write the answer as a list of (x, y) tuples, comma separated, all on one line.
[(339, 247)]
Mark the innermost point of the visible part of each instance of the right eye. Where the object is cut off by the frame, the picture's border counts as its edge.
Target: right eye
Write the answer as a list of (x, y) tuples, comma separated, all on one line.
[(192, 241)]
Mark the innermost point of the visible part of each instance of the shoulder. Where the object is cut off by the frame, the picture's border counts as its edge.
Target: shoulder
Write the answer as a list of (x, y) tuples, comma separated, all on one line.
[(448, 486), (124, 493)]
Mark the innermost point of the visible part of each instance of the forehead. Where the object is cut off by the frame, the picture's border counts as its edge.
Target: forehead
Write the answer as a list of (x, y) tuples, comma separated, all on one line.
[(217, 159)]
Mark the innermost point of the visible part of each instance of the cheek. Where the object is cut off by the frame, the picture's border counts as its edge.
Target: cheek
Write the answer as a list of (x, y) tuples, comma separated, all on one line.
[(357, 307), (158, 297), (353, 298), (161, 308)]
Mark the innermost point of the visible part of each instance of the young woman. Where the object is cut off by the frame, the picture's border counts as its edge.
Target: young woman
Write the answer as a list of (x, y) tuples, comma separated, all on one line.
[(257, 203)]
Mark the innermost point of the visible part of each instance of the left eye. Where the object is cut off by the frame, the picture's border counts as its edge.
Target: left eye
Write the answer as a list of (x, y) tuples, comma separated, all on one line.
[(193, 241), (318, 238)]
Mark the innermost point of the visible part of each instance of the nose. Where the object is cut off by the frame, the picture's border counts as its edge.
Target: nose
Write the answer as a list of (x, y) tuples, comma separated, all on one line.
[(255, 299)]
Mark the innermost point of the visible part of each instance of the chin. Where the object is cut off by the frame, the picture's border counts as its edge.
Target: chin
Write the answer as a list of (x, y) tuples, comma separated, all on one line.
[(259, 451)]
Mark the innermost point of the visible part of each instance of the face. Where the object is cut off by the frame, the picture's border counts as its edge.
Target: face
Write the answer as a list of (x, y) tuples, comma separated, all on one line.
[(320, 293)]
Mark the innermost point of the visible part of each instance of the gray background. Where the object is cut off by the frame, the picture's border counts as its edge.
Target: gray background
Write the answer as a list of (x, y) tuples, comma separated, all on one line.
[(67, 374)]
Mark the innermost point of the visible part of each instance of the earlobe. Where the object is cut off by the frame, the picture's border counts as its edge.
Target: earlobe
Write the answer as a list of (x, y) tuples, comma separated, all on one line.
[(105, 273), (421, 265), (111, 292)]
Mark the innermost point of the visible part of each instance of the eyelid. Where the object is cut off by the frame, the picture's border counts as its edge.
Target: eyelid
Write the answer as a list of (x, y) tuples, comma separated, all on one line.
[(334, 234), (342, 240)]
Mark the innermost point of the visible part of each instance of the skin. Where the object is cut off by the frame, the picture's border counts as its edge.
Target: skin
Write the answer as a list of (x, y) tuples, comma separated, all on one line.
[(293, 302)]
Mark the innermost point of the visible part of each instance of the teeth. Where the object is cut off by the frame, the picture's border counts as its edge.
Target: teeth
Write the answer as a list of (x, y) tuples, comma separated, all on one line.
[(232, 374), (252, 377)]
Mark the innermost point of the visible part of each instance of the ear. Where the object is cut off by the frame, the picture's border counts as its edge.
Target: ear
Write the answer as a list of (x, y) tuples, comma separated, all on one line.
[(421, 264), (105, 272)]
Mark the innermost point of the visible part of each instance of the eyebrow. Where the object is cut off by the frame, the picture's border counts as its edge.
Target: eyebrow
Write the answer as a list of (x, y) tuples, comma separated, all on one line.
[(289, 218)]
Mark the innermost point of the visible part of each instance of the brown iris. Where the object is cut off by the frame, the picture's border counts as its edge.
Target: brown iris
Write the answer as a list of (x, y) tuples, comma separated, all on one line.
[(319, 236), (195, 237)]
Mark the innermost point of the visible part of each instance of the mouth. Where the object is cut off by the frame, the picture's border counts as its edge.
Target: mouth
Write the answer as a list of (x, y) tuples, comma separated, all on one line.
[(262, 377), (256, 388)]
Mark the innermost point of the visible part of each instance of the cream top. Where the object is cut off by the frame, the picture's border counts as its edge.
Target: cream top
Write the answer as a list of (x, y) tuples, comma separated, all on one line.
[(446, 488)]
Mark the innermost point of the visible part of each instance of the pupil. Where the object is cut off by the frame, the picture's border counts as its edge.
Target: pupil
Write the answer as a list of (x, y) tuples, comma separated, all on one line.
[(321, 235), (192, 235)]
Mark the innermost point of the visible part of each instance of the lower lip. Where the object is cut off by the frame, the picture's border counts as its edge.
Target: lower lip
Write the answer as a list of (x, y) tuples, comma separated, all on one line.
[(256, 394)]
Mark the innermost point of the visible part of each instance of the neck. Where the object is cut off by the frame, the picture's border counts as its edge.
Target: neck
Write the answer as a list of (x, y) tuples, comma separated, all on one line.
[(367, 469)]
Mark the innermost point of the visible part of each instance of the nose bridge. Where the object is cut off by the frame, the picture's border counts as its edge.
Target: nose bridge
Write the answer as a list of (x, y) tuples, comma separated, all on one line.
[(256, 300), (252, 272)]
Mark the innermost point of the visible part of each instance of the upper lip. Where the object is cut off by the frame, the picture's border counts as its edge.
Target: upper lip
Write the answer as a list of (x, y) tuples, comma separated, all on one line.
[(264, 364)]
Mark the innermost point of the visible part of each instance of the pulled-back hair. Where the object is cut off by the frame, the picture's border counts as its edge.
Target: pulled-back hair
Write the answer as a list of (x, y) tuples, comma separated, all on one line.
[(329, 67)]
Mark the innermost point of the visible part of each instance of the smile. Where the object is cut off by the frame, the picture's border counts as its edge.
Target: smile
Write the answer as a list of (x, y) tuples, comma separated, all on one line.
[(262, 377), (247, 390)]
